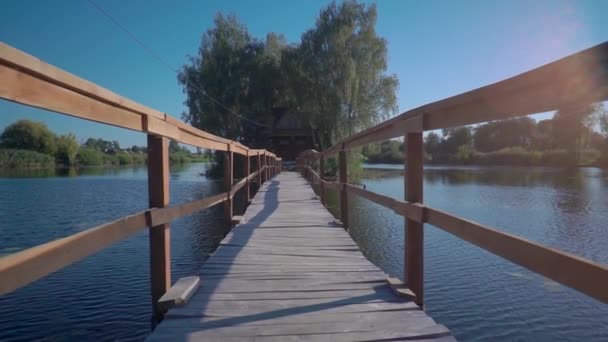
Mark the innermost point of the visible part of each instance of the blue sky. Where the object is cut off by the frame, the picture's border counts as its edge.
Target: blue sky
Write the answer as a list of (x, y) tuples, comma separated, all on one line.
[(436, 48)]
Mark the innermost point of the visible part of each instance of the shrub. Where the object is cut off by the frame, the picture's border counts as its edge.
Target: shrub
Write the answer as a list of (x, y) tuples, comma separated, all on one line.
[(10, 158), (89, 157), (124, 158), (67, 149), (179, 157)]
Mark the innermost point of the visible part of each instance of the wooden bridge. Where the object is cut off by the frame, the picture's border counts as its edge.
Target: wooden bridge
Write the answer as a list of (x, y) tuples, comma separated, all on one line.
[(289, 270)]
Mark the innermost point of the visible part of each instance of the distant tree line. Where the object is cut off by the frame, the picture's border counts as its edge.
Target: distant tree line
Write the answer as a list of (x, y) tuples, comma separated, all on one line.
[(31, 144), (574, 136)]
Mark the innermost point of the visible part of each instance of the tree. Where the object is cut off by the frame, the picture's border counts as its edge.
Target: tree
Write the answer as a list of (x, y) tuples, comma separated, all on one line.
[(432, 143), (67, 149), (102, 145), (29, 135), (338, 73), (572, 126), (456, 137), (497, 135)]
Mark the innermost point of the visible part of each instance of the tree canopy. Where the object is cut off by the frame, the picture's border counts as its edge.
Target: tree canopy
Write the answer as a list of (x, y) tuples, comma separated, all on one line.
[(336, 77), (29, 135)]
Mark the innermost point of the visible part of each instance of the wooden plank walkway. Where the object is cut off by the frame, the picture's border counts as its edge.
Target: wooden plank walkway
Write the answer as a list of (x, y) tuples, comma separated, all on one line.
[(291, 273)]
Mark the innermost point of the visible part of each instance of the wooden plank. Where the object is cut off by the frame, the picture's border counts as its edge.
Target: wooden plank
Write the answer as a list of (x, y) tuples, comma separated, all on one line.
[(247, 175), (343, 177), (291, 266), (581, 78), (228, 180), (180, 293), (22, 268), (578, 273), (22, 88), (165, 215), (412, 211), (414, 257), (238, 186), (260, 172), (31, 65), (160, 235), (322, 178)]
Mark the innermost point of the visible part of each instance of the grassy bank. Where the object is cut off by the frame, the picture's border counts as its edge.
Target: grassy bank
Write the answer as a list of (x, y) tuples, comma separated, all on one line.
[(25, 159), (13, 159)]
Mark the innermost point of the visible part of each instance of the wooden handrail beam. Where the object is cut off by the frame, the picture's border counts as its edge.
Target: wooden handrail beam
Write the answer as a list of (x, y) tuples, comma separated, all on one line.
[(22, 268), (578, 273), (575, 79)]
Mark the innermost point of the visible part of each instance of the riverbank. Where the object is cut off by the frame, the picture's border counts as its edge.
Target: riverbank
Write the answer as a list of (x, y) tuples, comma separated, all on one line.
[(16, 159), (510, 157)]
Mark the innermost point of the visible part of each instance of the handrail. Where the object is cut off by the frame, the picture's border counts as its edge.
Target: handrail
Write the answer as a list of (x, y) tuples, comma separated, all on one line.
[(577, 79), (30, 81)]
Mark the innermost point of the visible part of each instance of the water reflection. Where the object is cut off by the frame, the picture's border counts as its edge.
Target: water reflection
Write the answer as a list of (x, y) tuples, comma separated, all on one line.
[(562, 208)]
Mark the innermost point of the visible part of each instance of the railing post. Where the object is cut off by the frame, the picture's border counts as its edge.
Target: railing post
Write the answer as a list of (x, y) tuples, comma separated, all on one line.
[(228, 180), (259, 170), (160, 236), (322, 178), (343, 194), (414, 265), (247, 173), (271, 169), (267, 170)]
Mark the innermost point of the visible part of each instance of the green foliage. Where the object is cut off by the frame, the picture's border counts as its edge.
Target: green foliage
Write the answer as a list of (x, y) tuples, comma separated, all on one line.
[(569, 138), (497, 135), (67, 149), (28, 135), (338, 72), (336, 78), (124, 158), (389, 152), (10, 158), (89, 157), (102, 145), (179, 157)]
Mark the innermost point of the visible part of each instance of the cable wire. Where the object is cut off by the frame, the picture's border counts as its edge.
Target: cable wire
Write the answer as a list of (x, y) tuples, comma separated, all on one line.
[(159, 58)]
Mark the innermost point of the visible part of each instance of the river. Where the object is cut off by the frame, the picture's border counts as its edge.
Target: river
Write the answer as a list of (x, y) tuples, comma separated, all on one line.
[(477, 295)]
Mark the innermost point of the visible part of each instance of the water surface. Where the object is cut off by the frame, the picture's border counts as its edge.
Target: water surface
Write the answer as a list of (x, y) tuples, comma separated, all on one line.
[(480, 296), (105, 296)]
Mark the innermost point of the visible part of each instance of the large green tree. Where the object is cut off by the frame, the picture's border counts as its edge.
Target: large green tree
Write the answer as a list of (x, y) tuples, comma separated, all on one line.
[(234, 83), (29, 135), (338, 72), (67, 149), (336, 77)]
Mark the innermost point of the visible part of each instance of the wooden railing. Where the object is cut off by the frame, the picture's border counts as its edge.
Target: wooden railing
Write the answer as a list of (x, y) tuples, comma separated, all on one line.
[(27, 80), (581, 78)]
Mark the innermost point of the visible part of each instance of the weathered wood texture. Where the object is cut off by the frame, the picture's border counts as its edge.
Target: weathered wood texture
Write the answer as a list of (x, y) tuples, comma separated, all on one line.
[(228, 180), (30, 81), (160, 235), (343, 178), (579, 78), (414, 265), (22, 268), (291, 273)]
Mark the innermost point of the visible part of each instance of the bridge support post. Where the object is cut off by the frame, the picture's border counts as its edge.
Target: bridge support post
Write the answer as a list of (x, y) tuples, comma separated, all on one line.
[(267, 170), (414, 265), (343, 194), (321, 179), (228, 181), (159, 236), (247, 173), (259, 170)]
